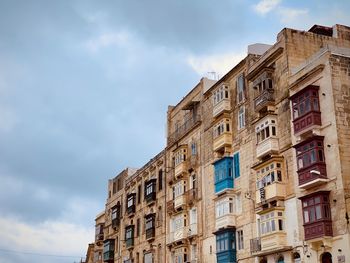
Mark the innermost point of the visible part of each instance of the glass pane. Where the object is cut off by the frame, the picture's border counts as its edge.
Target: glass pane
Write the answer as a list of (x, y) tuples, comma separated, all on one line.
[(318, 212), (306, 216)]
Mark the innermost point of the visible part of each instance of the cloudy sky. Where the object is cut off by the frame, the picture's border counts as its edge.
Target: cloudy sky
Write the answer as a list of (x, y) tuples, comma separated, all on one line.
[(84, 89)]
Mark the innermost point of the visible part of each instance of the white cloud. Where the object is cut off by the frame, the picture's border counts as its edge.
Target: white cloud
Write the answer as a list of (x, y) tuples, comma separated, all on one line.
[(220, 63), (289, 15), (51, 237), (107, 40), (265, 6)]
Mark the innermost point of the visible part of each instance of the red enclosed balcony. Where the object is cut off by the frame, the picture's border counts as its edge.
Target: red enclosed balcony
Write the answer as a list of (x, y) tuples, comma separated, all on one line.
[(306, 109), (317, 215), (311, 162)]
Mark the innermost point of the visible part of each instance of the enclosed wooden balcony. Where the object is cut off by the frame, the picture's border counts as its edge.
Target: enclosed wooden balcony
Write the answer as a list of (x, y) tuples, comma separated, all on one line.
[(270, 192), (225, 221), (222, 141), (313, 175), (222, 106), (264, 99), (268, 146)]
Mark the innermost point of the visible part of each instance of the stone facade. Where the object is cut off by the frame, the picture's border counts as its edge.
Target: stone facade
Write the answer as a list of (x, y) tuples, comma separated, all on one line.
[(256, 166)]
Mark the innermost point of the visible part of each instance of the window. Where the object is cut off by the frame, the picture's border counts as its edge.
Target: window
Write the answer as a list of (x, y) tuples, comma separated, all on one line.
[(225, 242), (316, 208), (160, 179), (265, 130), (180, 156), (194, 252), (108, 249), (238, 204), (220, 94), (241, 118), (150, 187), (306, 101), (310, 152), (269, 174), (194, 148), (237, 172), (240, 88), (150, 221), (179, 188), (116, 212), (180, 255), (138, 227), (193, 181), (240, 241), (178, 222), (129, 235), (223, 169), (130, 203), (271, 222), (114, 187), (148, 258), (222, 127), (139, 194), (224, 207)]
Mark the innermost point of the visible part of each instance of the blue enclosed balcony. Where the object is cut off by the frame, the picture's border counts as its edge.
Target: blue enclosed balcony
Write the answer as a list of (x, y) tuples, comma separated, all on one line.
[(223, 174), (226, 246)]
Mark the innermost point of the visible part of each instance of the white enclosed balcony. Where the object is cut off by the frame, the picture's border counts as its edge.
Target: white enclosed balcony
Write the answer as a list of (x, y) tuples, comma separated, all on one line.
[(266, 136)]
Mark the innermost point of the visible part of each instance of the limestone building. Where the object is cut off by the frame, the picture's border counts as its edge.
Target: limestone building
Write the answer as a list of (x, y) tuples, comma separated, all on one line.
[(256, 166)]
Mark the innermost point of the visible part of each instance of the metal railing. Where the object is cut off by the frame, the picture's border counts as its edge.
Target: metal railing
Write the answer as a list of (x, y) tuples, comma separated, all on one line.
[(188, 125)]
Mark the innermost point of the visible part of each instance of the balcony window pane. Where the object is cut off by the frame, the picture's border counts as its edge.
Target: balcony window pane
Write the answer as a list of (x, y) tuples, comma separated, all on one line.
[(318, 212), (273, 227), (306, 216)]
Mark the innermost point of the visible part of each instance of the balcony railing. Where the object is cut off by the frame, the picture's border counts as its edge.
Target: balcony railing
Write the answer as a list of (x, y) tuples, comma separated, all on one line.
[(268, 146), (150, 197), (108, 256), (265, 98), (150, 233), (309, 120), (181, 169), (129, 242), (224, 140), (270, 192), (130, 209), (228, 220), (181, 131), (313, 175), (115, 222), (255, 245), (318, 229), (182, 233)]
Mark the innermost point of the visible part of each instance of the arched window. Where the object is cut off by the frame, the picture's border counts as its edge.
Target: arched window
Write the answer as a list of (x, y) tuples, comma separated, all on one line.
[(326, 257), (280, 259), (263, 260), (296, 257)]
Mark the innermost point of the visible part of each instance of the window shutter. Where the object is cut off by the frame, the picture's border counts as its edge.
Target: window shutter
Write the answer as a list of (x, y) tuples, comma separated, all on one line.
[(236, 164)]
